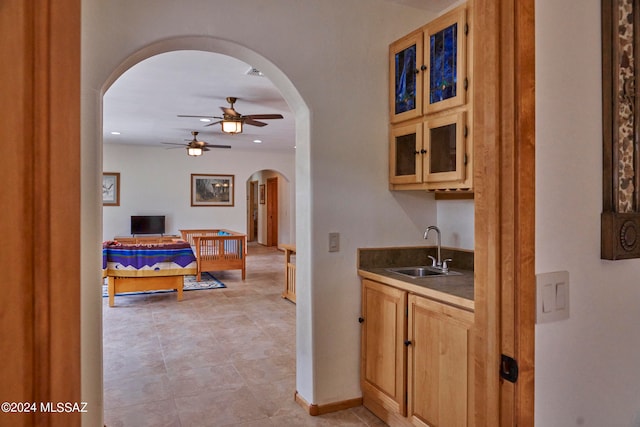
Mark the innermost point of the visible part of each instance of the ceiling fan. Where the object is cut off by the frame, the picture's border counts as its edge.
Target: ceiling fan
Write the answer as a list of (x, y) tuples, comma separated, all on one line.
[(232, 121), (195, 147)]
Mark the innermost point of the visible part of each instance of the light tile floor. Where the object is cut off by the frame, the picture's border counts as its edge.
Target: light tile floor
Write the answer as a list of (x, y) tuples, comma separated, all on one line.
[(221, 357)]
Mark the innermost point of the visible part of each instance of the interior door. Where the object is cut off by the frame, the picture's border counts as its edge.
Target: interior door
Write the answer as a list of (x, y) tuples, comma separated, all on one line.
[(272, 211), (252, 214)]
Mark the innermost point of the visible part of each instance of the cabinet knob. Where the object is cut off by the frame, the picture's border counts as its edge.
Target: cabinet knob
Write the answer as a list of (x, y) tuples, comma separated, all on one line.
[(360, 320), (423, 151), (423, 67), (407, 343)]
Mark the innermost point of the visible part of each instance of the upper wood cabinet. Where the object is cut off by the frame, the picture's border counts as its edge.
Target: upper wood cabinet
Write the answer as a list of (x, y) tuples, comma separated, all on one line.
[(430, 106), (428, 67), (432, 154)]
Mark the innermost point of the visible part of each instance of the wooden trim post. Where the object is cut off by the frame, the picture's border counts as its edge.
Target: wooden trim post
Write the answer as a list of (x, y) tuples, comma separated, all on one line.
[(504, 181), (40, 228)]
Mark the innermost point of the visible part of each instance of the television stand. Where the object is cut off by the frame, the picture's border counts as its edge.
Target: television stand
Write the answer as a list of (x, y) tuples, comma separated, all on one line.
[(142, 239)]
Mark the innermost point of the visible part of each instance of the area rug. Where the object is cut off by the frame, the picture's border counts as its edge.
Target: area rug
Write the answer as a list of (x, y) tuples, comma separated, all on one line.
[(190, 284)]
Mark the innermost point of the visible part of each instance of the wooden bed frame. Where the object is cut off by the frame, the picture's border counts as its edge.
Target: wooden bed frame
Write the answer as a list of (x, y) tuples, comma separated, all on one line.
[(118, 284), (217, 249), (160, 277)]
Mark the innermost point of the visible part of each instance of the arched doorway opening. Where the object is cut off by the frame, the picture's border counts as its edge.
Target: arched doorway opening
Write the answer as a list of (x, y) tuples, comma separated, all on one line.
[(301, 112), (270, 208)]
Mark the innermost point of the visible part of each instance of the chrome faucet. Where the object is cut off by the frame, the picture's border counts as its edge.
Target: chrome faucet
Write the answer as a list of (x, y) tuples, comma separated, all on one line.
[(438, 262)]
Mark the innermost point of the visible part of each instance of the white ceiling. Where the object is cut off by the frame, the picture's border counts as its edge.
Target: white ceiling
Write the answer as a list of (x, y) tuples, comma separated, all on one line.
[(144, 102)]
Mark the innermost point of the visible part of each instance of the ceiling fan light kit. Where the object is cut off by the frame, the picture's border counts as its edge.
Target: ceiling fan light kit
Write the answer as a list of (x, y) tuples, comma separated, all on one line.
[(231, 126), (191, 151)]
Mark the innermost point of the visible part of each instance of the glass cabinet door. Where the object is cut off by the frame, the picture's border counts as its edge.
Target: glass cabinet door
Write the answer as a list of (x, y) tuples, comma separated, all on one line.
[(405, 91), (445, 148), (446, 55), (405, 158)]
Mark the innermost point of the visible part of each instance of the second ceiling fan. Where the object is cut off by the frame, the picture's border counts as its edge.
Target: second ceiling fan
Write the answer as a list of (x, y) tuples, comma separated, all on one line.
[(195, 147), (232, 121)]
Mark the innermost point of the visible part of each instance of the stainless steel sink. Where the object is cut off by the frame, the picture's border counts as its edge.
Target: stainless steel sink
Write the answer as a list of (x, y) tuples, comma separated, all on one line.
[(422, 271)]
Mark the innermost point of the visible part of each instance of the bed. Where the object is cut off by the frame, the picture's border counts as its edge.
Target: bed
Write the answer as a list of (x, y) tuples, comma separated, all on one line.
[(146, 267), (217, 249)]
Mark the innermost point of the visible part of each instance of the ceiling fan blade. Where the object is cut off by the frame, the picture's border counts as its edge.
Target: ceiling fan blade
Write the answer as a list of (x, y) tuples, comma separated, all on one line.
[(172, 143), (205, 149), (264, 116), (201, 117), (230, 112), (218, 146), (254, 123), (213, 123)]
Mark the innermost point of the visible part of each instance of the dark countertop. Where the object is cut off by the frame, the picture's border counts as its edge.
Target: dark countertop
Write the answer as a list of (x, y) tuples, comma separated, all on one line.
[(454, 289)]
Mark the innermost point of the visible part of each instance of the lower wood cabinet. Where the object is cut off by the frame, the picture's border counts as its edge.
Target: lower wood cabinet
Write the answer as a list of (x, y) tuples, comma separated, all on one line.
[(384, 355), (414, 368)]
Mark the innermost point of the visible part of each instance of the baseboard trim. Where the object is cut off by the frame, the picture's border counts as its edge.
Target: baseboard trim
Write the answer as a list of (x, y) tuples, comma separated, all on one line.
[(314, 410)]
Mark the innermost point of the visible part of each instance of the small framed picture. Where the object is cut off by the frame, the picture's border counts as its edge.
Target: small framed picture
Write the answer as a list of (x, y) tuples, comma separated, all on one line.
[(262, 190), (212, 190), (110, 189)]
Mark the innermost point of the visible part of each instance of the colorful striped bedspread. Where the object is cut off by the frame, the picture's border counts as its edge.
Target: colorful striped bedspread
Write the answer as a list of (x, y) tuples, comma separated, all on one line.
[(144, 260)]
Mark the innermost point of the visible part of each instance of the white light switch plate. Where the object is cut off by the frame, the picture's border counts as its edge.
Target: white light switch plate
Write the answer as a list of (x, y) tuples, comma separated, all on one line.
[(552, 296), (334, 242)]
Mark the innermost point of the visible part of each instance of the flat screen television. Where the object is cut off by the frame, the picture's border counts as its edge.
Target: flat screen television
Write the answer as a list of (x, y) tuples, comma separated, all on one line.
[(147, 224)]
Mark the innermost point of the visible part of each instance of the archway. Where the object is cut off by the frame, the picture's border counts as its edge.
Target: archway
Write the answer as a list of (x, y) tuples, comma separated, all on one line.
[(302, 222), (257, 208)]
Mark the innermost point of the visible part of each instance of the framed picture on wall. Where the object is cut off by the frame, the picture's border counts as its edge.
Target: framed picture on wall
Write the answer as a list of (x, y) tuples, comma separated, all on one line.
[(111, 189), (212, 190), (262, 190)]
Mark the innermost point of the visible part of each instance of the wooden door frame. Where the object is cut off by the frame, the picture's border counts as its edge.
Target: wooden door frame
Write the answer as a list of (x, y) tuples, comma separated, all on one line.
[(43, 328), (253, 203), (40, 170), (504, 181), (272, 211)]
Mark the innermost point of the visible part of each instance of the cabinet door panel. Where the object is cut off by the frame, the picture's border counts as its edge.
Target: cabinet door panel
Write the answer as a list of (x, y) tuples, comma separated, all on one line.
[(444, 139), (438, 363), (383, 351), (445, 56), (405, 82), (405, 159)]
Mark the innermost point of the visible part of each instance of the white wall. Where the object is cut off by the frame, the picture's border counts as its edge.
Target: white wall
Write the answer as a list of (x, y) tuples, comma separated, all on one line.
[(155, 181), (587, 370), (456, 223), (331, 64)]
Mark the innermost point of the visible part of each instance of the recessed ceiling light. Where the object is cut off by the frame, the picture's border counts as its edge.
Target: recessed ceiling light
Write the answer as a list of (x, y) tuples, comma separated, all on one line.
[(205, 120), (254, 72), (257, 141), (115, 133)]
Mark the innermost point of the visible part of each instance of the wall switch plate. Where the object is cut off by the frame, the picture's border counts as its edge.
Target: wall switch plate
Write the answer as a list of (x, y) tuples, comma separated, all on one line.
[(334, 242), (552, 296)]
